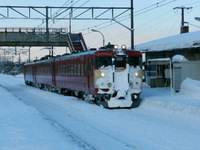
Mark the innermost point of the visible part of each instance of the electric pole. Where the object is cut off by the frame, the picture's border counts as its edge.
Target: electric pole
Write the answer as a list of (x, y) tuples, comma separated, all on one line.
[(182, 13), (47, 23), (132, 26)]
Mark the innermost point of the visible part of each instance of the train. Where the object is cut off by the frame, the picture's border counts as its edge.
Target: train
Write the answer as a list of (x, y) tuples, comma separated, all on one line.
[(110, 77)]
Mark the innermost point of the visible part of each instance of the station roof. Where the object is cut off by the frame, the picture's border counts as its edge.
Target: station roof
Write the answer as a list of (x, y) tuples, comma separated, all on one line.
[(180, 41)]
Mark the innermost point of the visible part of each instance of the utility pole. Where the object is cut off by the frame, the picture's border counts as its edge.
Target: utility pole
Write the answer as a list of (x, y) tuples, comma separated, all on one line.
[(182, 13), (132, 26), (70, 17), (47, 23)]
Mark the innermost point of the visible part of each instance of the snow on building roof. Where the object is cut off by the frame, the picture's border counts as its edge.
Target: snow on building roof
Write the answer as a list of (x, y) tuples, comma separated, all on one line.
[(185, 40)]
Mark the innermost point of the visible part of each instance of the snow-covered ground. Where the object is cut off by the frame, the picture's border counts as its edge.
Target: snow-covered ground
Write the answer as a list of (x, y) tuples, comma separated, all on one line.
[(35, 119)]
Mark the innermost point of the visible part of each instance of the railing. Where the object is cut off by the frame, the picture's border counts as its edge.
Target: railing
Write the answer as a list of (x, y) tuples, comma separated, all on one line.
[(29, 29)]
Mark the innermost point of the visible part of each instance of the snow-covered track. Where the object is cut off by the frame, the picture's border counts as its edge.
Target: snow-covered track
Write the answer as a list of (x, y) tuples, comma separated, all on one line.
[(151, 126)]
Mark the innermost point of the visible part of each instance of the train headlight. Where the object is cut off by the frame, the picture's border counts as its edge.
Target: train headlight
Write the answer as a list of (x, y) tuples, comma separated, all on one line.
[(137, 74), (116, 47), (103, 74), (123, 47)]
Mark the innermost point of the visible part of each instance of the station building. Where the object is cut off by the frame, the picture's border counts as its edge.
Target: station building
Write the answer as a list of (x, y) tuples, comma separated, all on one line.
[(170, 60)]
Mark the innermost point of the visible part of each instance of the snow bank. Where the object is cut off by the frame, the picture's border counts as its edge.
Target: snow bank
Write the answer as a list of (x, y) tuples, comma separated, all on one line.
[(178, 58), (191, 88), (187, 101)]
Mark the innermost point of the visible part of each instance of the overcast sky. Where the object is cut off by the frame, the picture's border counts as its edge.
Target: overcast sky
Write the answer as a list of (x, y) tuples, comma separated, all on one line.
[(153, 19)]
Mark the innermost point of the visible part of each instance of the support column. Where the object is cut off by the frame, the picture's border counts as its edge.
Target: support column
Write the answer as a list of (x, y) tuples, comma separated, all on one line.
[(47, 23)]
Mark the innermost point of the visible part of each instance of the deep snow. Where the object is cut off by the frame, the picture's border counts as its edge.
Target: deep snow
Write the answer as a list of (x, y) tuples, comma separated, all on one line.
[(179, 41), (23, 127), (41, 120)]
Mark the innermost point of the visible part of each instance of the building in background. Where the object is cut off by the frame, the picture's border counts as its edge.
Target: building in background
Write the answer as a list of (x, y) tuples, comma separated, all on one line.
[(181, 53)]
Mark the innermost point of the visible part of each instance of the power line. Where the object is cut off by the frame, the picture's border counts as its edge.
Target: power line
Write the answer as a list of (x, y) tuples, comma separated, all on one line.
[(73, 9), (66, 4), (137, 13), (152, 7), (194, 25), (193, 3)]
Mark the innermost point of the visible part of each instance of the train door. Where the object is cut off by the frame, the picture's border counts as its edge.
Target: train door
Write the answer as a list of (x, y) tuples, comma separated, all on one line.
[(121, 75), (88, 72)]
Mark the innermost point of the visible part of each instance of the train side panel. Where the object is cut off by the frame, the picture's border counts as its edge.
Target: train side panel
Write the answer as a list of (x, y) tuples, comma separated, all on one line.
[(29, 74), (74, 72), (44, 73)]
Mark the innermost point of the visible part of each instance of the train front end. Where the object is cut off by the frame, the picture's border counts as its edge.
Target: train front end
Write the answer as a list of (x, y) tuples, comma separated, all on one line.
[(118, 78)]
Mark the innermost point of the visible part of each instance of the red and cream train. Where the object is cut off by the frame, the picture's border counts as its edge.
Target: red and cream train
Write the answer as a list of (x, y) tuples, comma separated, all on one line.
[(110, 77)]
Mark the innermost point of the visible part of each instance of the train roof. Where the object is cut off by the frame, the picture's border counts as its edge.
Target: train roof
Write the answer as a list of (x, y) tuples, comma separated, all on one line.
[(101, 52), (76, 54)]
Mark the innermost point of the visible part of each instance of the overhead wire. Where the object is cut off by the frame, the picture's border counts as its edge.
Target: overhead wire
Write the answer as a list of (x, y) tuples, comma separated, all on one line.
[(152, 7), (109, 23), (194, 25), (173, 25), (73, 9), (136, 13), (195, 8), (68, 3), (124, 18), (120, 19)]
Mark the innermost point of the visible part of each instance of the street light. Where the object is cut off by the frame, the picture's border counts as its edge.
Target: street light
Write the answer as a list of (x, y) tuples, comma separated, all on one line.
[(93, 30), (197, 18)]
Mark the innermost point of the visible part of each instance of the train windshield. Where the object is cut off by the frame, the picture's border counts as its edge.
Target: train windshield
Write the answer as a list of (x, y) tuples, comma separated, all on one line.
[(102, 61), (135, 61), (120, 61)]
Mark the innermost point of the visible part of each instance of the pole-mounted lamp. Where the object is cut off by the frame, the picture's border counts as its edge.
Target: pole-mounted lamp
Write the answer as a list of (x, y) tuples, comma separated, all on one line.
[(93, 30)]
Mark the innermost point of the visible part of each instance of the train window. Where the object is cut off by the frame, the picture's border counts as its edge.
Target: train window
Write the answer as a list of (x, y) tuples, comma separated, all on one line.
[(82, 69), (120, 61), (75, 69), (102, 61), (65, 69), (72, 70), (135, 61), (78, 69), (60, 70), (68, 69), (50, 70), (56, 70)]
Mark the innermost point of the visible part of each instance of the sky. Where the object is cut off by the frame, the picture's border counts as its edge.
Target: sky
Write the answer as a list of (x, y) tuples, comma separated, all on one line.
[(153, 19)]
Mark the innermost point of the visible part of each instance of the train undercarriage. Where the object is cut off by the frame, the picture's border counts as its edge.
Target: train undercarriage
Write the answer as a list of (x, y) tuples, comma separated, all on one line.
[(105, 100)]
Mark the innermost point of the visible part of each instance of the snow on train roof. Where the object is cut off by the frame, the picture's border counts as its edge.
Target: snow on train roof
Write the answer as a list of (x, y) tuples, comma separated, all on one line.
[(185, 40)]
